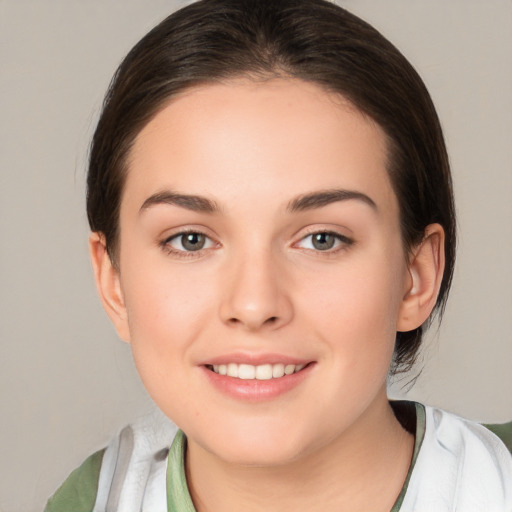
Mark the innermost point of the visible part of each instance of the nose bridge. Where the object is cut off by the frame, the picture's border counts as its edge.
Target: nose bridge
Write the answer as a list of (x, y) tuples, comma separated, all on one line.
[(256, 293)]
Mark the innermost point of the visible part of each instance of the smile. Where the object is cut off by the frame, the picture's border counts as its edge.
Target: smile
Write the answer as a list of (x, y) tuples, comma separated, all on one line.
[(255, 382), (260, 372)]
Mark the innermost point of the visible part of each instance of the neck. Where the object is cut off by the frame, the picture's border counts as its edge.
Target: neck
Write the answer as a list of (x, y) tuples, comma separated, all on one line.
[(363, 468)]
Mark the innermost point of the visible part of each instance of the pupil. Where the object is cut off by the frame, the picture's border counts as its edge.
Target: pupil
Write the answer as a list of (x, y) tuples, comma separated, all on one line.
[(323, 241), (193, 241)]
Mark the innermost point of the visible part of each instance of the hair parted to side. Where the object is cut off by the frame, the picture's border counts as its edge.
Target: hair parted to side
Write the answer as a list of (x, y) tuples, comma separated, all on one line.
[(311, 40)]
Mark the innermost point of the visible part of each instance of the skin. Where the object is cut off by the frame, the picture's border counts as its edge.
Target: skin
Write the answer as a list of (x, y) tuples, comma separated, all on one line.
[(259, 286)]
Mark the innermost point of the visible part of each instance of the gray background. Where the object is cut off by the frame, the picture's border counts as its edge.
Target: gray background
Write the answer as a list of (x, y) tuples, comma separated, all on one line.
[(66, 383)]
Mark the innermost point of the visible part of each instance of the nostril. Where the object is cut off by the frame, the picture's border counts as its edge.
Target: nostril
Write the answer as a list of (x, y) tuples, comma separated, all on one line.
[(269, 321)]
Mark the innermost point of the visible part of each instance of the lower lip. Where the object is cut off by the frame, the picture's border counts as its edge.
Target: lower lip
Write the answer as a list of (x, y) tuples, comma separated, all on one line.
[(254, 390)]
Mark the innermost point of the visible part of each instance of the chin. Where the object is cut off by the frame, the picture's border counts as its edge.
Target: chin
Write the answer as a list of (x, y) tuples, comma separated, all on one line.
[(257, 445)]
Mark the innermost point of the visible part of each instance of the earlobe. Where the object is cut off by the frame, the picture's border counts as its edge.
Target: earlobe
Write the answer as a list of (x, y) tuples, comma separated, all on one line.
[(426, 268), (108, 285)]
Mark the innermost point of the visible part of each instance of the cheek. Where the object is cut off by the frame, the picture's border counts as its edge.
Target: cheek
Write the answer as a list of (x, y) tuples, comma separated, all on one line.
[(356, 308), (165, 313), (165, 303)]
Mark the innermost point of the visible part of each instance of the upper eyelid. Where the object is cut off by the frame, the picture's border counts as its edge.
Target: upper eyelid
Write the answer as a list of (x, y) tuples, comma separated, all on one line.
[(313, 230), (169, 234), (180, 232), (340, 236), (327, 231)]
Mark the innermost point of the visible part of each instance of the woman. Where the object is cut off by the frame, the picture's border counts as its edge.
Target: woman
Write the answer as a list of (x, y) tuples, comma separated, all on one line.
[(272, 230)]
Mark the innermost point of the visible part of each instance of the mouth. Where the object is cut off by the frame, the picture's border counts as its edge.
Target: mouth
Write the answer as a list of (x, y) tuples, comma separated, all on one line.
[(259, 372), (256, 383)]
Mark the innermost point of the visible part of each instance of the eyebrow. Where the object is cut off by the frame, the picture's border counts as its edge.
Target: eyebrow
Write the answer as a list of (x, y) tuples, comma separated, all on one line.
[(326, 197), (302, 203), (190, 202)]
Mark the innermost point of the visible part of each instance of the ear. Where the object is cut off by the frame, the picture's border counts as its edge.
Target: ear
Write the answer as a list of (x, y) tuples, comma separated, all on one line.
[(108, 284), (426, 268)]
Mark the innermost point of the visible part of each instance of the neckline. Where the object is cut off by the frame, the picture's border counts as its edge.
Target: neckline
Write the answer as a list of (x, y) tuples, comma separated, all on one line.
[(178, 496), (421, 424)]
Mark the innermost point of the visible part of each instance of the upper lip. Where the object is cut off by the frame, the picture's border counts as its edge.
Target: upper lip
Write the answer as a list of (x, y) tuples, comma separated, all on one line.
[(254, 359)]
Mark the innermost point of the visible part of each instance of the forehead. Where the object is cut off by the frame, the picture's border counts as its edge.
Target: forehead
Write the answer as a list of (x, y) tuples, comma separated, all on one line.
[(280, 135)]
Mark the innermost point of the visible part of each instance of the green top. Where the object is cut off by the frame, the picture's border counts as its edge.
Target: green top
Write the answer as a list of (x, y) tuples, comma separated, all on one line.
[(504, 432), (178, 497), (78, 492)]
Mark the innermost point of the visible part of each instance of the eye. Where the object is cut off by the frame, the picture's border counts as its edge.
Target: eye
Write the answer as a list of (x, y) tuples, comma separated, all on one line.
[(188, 242), (324, 241)]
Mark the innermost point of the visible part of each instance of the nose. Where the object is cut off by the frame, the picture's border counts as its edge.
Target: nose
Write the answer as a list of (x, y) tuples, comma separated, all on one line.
[(256, 294)]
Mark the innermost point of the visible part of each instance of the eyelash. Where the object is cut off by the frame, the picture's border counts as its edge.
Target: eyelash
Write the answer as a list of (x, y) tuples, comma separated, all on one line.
[(166, 244), (342, 243)]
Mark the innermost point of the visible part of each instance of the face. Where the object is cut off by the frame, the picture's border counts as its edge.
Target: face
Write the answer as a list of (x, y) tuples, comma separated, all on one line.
[(262, 271)]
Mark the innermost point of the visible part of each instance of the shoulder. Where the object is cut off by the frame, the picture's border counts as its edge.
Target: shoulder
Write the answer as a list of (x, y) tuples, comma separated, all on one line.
[(461, 436), (130, 471), (504, 432), (461, 465), (78, 492)]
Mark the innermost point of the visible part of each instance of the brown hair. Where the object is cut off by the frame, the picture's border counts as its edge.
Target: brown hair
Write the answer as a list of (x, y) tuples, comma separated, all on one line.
[(312, 40)]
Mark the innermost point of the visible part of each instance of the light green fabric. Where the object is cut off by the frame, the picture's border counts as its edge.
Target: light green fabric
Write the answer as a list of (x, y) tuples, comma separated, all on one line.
[(78, 492), (178, 497)]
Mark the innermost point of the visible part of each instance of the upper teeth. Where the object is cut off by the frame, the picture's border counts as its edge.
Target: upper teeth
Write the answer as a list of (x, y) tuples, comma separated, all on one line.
[(261, 372)]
